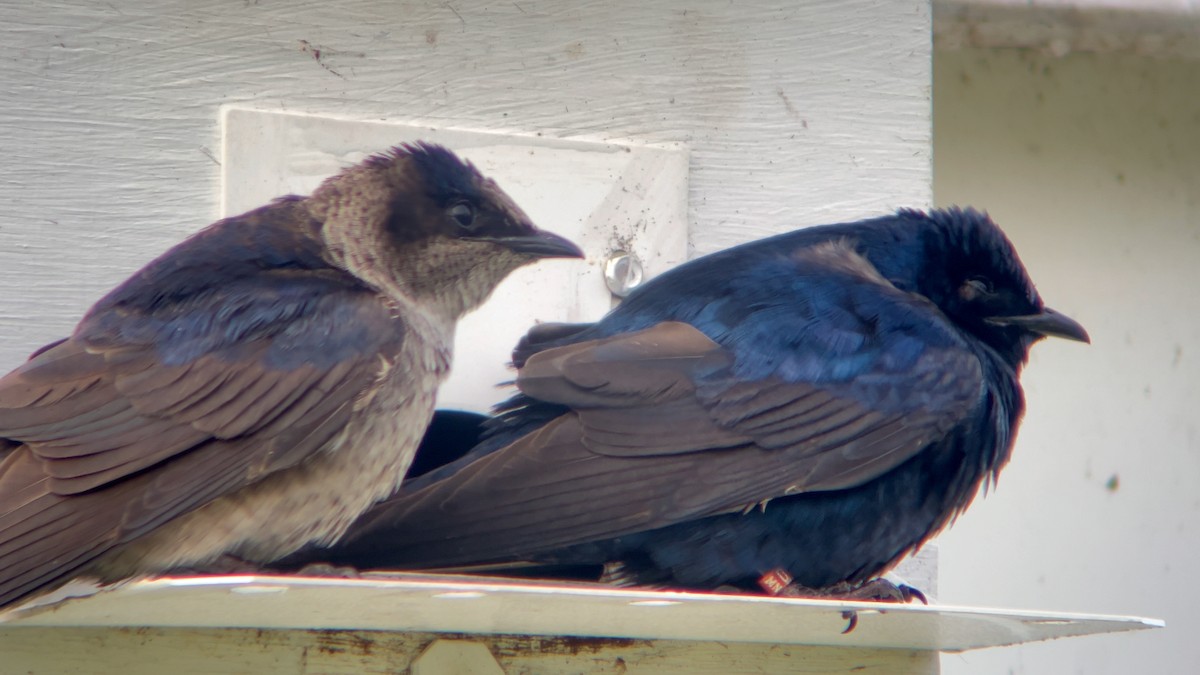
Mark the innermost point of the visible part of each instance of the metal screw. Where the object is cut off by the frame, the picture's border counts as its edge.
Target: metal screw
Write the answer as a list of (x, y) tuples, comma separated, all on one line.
[(623, 273)]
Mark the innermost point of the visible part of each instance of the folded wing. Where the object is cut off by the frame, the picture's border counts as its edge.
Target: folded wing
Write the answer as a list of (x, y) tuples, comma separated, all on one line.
[(668, 424), (167, 397)]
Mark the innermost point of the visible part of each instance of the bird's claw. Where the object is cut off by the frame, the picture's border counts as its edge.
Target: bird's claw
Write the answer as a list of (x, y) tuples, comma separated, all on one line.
[(779, 583), (880, 590), (851, 617)]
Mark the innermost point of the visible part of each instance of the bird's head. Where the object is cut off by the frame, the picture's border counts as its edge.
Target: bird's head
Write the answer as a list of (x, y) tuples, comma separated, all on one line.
[(421, 222), (975, 277)]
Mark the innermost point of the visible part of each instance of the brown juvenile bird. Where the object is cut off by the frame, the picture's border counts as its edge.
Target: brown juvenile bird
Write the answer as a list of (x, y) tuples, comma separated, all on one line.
[(259, 385)]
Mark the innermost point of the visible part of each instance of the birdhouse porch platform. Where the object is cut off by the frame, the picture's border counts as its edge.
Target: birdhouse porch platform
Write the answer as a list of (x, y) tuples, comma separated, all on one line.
[(440, 624)]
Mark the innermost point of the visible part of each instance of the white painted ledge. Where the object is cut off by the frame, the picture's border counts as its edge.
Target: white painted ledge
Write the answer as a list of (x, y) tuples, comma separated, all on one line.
[(473, 605), (1158, 28)]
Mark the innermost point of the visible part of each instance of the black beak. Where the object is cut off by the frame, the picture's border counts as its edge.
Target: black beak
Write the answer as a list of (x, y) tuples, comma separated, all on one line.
[(1047, 322), (540, 244)]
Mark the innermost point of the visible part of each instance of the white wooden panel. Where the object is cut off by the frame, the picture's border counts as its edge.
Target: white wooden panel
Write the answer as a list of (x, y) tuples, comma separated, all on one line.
[(603, 196), (796, 113)]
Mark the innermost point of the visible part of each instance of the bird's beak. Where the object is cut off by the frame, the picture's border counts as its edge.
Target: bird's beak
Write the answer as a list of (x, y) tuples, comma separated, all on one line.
[(1046, 322), (540, 244)]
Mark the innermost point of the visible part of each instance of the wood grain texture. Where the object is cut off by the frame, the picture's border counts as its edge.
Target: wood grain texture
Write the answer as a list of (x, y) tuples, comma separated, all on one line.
[(795, 113)]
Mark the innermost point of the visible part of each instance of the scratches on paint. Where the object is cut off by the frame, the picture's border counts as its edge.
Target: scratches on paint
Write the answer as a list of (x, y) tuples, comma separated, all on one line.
[(321, 55)]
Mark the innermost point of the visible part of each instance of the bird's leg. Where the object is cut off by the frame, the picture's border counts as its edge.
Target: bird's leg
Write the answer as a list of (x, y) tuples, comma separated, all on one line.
[(327, 570), (622, 575), (779, 582), (617, 573), (231, 564), (222, 565)]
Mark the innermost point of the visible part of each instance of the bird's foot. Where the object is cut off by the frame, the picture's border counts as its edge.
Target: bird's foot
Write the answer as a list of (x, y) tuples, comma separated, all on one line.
[(328, 570), (876, 590), (230, 564), (617, 573), (779, 583), (224, 565)]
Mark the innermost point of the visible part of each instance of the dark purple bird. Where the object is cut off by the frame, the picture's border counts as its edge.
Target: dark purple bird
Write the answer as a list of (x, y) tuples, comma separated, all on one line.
[(819, 403), (258, 386)]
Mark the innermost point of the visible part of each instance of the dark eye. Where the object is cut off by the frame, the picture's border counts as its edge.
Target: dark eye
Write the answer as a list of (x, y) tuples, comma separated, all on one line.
[(463, 213), (981, 285), (976, 288)]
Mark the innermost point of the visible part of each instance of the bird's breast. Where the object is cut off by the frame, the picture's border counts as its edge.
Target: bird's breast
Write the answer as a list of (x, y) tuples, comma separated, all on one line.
[(363, 464)]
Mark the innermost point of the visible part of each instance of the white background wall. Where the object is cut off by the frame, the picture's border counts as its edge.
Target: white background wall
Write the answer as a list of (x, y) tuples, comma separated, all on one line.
[(1091, 163), (797, 113)]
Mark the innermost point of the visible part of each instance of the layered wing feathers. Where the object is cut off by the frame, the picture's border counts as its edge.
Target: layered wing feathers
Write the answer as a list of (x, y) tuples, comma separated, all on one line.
[(235, 355), (816, 375)]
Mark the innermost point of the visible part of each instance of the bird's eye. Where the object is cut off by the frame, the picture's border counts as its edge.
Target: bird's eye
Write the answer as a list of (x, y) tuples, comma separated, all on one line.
[(462, 213), (981, 285), (976, 288)]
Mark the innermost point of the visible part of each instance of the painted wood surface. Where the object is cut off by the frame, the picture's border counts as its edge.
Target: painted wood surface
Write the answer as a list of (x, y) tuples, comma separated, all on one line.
[(440, 624), (405, 602), (795, 113)]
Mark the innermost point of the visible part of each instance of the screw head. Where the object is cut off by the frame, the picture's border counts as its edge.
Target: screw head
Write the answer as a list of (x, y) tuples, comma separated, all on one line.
[(623, 273)]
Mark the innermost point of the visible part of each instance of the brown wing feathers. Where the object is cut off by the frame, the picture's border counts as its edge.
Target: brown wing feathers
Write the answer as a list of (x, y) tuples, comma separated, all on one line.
[(93, 425)]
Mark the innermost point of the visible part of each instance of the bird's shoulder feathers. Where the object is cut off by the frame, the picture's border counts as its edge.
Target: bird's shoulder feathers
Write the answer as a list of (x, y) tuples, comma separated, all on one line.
[(233, 366)]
